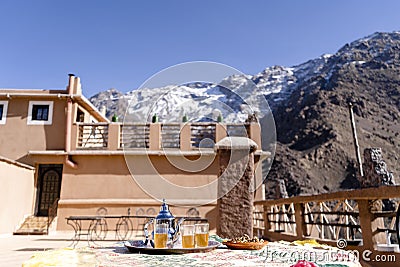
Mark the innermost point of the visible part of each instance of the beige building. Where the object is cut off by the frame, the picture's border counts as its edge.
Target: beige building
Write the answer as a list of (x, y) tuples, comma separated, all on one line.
[(55, 146)]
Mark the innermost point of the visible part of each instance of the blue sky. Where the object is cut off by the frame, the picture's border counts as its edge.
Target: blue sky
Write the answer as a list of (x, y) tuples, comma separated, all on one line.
[(122, 43)]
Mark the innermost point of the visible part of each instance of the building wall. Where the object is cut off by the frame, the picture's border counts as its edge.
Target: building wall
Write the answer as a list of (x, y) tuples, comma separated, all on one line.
[(16, 194), (105, 181), (102, 178), (17, 137)]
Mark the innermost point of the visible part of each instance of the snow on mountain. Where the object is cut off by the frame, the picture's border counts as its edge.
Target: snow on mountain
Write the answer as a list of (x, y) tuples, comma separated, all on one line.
[(234, 97), (238, 95)]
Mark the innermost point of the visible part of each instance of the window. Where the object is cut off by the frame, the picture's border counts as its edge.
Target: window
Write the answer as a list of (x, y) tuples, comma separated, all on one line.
[(3, 111), (80, 116), (40, 113)]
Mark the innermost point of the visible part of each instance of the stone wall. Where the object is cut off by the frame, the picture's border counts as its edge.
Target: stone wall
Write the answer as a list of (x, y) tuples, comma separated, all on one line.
[(375, 170)]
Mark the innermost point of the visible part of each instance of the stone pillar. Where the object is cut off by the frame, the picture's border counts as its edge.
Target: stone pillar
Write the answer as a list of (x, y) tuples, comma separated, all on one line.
[(376, 174), (235, 186), (375, 171), (276, 188)]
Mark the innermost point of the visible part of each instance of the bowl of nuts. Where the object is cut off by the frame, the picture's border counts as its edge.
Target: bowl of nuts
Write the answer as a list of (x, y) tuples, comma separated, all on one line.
[(245, 242)]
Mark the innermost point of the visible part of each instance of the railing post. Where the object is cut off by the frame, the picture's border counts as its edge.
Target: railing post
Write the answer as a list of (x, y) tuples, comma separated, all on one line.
[(74, 136), (155, 136), (113, 136), (220, 131), (255, 133), (185, 137), (301, 229), (266, 220), (365, 223)]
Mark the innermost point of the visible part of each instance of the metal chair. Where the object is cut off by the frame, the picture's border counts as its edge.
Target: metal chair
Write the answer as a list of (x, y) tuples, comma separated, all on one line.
[(141, 223)]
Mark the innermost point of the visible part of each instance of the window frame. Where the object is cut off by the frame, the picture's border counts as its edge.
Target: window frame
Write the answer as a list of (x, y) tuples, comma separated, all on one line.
[(3, 118), (49, 120)]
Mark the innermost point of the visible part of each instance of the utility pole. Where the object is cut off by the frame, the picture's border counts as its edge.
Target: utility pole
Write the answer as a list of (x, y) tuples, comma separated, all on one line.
[(356, 146)]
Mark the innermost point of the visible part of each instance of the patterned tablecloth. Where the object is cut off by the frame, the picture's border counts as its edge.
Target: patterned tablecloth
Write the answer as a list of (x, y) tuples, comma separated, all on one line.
[(274, 254)]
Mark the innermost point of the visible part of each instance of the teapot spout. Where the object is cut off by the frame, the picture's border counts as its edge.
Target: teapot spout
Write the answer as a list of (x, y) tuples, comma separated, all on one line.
[(180, 221)]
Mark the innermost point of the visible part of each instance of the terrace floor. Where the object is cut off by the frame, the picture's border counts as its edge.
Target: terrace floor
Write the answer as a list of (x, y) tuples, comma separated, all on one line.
[(16, 249)]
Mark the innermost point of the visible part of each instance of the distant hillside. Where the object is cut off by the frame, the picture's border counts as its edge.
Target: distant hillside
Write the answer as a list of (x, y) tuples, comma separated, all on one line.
[(310, 104)]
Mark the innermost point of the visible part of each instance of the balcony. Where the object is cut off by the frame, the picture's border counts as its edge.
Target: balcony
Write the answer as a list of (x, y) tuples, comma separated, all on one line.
[(158, 136)]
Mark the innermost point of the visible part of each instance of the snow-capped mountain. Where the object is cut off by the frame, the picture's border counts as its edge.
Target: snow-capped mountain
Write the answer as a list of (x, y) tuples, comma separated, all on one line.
[(314, 151), (234, 97), (203, 101)]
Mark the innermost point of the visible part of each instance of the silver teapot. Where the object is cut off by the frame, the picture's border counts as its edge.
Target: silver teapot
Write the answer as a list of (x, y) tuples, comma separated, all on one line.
[(164, 216)]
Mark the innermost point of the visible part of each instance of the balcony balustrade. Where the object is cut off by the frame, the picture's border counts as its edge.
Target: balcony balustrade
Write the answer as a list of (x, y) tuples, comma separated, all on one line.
[(92, 135), (156, 136)]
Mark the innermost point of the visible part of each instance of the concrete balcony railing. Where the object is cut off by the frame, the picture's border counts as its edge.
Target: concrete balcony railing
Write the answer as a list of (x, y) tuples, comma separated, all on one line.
[(156, 136)]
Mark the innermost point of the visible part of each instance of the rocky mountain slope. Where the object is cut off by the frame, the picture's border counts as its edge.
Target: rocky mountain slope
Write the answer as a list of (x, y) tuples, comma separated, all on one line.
[(314, 151)]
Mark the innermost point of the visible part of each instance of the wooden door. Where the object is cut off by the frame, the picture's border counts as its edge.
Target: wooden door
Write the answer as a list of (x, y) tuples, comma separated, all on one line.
[(49, 187)]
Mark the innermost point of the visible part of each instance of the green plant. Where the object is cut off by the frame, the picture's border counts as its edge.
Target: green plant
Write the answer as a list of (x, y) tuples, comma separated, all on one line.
[(155, 118), (114, 118)]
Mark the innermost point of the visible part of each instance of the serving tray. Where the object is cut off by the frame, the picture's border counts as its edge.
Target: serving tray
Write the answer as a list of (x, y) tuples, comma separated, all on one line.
[(245, 246), (137, 246)]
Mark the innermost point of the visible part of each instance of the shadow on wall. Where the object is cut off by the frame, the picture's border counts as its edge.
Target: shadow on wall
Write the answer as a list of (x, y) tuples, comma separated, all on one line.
[(213, 217)]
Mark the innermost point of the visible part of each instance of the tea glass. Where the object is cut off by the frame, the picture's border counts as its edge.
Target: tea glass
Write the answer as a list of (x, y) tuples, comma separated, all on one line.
[(201, 234), (160, 234), (187, 232)]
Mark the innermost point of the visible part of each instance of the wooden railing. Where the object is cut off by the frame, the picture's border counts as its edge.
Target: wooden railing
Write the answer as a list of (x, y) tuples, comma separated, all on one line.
[(170, 135), (135, 135), (355, 218), (92, 135), (234, 129), (202, 135), (156, 136)]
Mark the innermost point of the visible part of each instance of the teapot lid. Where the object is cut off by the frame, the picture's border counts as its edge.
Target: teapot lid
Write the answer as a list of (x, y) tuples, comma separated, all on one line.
[(164, 212)]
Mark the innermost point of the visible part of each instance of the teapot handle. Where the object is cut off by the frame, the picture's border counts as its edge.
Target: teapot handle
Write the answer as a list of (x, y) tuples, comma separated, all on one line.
[(146, 232), (177, 230)]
